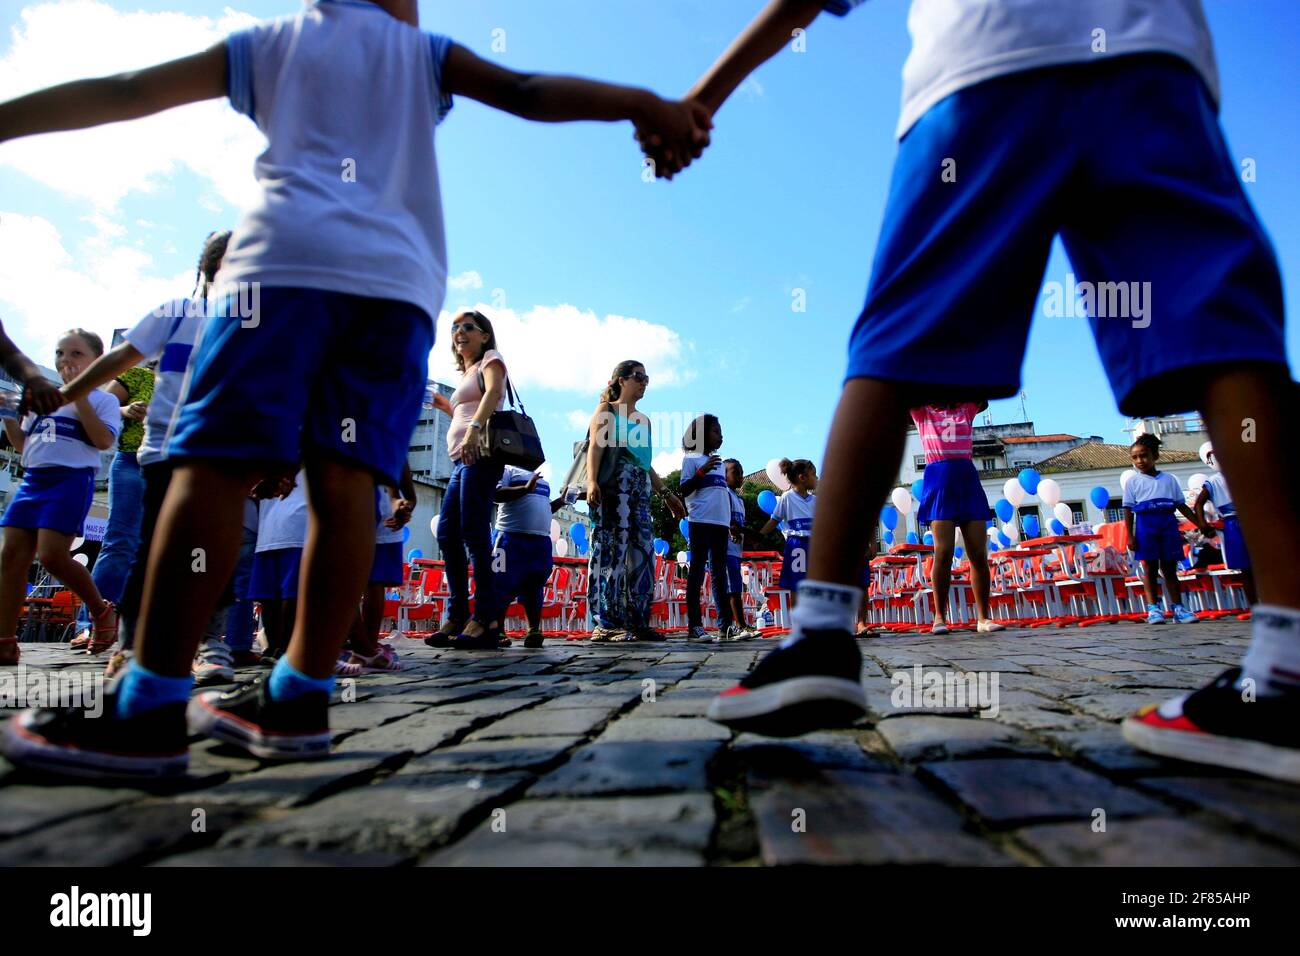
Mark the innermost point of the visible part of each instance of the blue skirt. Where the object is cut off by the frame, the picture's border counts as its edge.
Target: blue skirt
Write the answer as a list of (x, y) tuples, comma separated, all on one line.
[(796, 549), (952, 492), (386, 568), (54, 497), (1234, 545)]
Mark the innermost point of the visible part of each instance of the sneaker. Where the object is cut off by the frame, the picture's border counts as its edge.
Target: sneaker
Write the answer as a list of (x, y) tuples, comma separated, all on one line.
[(603, 635), (489, 639), (1184, 616), (534, 639), (248, 718), (442, 637), (384, 659), (270, 656), (1155, 615), (1216, 725), (245, 658), (698, 635), (988, 627), (811, 684), (117, 662), (939, 628), (76, 742), (734, 632), (213, 664)]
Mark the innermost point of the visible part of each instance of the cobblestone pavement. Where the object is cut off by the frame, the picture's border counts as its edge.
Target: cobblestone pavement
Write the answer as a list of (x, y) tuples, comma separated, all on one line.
[(587, 755)]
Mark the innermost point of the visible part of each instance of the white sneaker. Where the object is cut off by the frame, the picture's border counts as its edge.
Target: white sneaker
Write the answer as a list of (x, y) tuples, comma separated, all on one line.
[(735, 632), (698, 635), (939, 628), (214, 665), (1155, 615), (1184, 616), (988, 627)]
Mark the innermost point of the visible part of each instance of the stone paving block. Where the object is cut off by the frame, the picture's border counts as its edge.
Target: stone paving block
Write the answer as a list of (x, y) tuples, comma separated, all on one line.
[(126, 834), (293, 784), (665, 729), (416, 734), (364, 714), (1065, 672), (803, 757), (402, 815), (670, 830), (488, 708), (999, 665), (1006, 790), (1268, 806), (630, 767), (1148, 842), (275, 856), (539, 723), (848, 817), (26, 806), (1049, 720), (480, 756), (1106, 748), (925, 737), (1114, 705)]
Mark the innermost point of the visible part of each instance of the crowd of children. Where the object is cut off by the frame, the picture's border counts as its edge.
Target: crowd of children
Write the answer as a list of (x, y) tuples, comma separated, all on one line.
[(352, 273)]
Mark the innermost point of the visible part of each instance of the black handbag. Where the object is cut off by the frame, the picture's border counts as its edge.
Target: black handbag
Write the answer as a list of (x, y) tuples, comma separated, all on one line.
[(510, 436)]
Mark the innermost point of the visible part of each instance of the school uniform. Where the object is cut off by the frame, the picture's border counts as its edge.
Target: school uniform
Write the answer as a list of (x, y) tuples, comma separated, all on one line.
[(281, 534), (735, 549), (951, 483), (992, 166), (1152, 498), (386, 568), (797, 513), (521, 558), (1235, 555), (59, 466), (708, 517)]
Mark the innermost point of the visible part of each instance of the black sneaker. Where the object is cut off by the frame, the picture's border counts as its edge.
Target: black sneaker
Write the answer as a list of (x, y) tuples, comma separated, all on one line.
[(270, 656), (1219, 725), (488, 640), (77, 742), (443, 638), (534, 639), (814, 683), (247, 717)]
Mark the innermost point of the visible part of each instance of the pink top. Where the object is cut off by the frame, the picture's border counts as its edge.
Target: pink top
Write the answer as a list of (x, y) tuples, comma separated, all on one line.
[(464, 401), (945, 432)]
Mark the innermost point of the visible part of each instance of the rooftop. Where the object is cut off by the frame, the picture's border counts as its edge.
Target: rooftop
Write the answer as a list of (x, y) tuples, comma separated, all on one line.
[(1029, 439), (1090, 456)]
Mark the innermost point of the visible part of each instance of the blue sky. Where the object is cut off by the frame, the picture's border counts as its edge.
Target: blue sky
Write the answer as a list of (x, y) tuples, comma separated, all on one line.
[(694, 277)]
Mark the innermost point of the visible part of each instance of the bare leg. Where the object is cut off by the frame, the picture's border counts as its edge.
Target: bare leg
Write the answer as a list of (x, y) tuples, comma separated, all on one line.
[(1170, 571), (16, 555), (1151, 582), (195, 550), (945, 536), (335, 562), (54, 551), (975, 535)]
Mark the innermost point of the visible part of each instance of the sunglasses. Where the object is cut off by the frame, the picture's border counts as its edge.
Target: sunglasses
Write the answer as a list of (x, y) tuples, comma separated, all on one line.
[(464, 326), (639, 377)]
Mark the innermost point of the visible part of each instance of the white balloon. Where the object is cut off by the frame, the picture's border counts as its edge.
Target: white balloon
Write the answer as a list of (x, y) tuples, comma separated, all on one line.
[(1049, 491), (1125, 477), (81, 559), (433, 525), (1013, 492), (1197, 482), (902, 499), (1011, 531), (562, 548), (681, 557), (1063, 513), (1206, 449), (555, 530), (76, 543), (775, 475)]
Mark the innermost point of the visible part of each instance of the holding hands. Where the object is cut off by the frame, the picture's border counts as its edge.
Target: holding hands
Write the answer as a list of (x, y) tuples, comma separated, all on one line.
[(673, 133)]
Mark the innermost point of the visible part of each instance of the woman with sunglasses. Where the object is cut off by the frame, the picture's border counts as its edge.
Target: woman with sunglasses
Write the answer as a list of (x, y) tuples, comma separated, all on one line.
[(465, 521), (621, 571)]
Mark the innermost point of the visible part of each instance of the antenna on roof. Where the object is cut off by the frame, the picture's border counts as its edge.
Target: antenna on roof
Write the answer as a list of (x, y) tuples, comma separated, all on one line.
[(1024, 415)]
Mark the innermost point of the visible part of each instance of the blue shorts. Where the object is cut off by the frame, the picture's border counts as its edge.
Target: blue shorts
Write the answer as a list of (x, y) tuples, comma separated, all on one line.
[(952, 492), (1235, 555), (320, 370), (735, 582), (53, 497), (1125, 161), (275, 575), (387, 566), (797, 549), (521, 565), (1158, 537)]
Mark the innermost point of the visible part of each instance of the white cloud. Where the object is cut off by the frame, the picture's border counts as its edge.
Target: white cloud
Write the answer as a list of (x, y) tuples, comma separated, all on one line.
[(60, 41), (578, 419), (568, 349), (466, 280), (667, 461)]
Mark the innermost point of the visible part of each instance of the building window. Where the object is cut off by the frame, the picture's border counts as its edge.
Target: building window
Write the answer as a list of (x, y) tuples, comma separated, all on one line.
[(919, 462), (1078, 515), (1022, 463), (1115, 509), (990, 464)]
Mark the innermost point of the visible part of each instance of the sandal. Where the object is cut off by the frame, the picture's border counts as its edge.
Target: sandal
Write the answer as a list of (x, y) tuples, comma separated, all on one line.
[(603, 635), (104, 634), (443, 635), (344, 668), (489, 640), (9, 658), (80, 641), (384, 659), (117, 663)]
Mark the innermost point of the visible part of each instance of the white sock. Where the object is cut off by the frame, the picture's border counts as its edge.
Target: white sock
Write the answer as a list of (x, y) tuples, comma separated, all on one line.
[(824, 606), (1273, 658)]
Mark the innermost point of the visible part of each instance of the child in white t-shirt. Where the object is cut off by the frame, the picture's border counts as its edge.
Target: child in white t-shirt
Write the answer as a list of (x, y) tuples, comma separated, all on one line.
[(708, 516), (60, 457)]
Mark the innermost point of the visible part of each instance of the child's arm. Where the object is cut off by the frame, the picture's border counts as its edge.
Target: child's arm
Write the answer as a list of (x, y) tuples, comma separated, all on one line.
[(1188, 513), (771, 526), (679, 129), (1201, 500), (1128, 529), (762, 39), (100, 435), (105, 368), (111, 99), (515, 492), (675, 505), (15, 434), (39, 394)]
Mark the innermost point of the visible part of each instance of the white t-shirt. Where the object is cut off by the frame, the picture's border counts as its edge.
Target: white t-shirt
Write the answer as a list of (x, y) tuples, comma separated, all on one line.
[(167, 335), (797, 512), (530, 514), (1158, 492), (282, 523), (348, 97), (958, 43), (711, 503), (384, 508), (1221, 497), (737, 517), (61, 439)]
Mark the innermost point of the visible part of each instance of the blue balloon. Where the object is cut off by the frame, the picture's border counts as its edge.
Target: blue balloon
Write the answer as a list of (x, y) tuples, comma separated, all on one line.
[(1057, 527), (928, 539), (579, 533), (889, 517), (957, 552), (684, 527), (581, 547), (912, 538), (1005, 509), (413, 554), (918, 488), (1031, 526), (1029, 479), (688, 557), (1099, 496), (406, 534), (888, 539), (661, 547), (1003, 539), (766, 501), (993, 545)]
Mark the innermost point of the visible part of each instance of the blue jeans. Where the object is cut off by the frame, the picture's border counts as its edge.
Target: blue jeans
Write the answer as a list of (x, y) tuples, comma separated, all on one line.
[(465, 524), (239, 619), (122, 535)]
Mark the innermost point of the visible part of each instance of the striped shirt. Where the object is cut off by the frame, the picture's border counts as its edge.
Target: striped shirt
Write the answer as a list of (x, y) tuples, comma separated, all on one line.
[(945, 431)]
